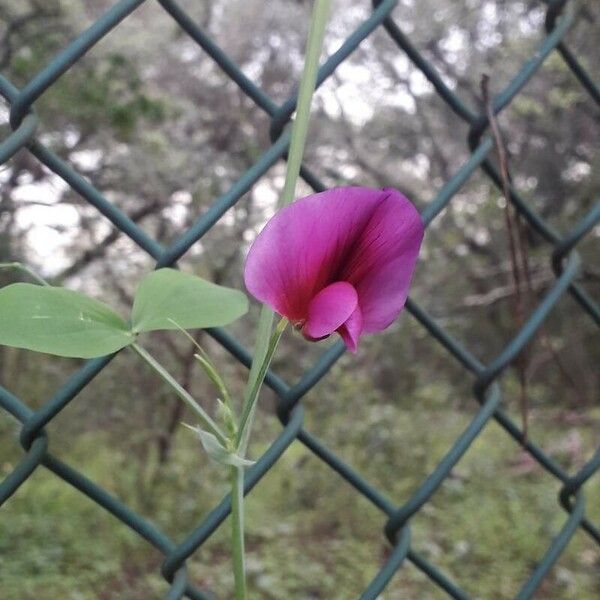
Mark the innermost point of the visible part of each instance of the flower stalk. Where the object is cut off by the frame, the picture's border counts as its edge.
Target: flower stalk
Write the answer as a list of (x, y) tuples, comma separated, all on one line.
[(251, 396)]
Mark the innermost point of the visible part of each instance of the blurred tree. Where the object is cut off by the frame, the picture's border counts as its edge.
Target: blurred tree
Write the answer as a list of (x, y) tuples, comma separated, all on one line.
[(155, 125)]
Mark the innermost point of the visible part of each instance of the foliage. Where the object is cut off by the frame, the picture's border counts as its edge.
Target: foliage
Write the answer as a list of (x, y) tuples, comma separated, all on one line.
[(162, 132), (66, 323), (486, 526)]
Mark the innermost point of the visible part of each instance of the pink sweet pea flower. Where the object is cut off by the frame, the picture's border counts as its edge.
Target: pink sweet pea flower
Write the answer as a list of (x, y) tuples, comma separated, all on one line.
[(341, 260)]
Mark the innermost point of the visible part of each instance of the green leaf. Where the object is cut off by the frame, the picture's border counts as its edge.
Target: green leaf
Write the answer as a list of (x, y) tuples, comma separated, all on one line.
[(58, 321), (170, 299), (217, 451)]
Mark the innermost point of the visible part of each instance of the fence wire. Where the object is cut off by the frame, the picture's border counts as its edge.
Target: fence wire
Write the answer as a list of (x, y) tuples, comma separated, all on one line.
[(560, 17)]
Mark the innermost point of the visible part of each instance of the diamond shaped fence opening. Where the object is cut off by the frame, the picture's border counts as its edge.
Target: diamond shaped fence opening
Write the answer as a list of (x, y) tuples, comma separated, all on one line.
[(396, 519)]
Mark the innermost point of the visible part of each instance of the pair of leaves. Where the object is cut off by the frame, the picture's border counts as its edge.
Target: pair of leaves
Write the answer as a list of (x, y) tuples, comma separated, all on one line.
[(67, 323)]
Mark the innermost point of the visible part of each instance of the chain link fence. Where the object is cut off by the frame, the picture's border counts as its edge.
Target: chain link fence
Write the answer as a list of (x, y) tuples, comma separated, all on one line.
[(396, 520)]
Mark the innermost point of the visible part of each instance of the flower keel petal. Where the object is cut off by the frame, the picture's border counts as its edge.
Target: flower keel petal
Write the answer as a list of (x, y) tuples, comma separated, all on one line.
[(351, 330), (330, 308)]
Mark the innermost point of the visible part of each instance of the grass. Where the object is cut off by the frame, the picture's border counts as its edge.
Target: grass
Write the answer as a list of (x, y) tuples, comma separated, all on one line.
[(309, 534)]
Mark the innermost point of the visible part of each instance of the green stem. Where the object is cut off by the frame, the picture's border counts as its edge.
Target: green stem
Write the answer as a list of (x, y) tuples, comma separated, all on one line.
[(237, 531), (204, 417), (299, 132), (308, 83), (210, 369), (251, 400), (266, 343), (25, 269)]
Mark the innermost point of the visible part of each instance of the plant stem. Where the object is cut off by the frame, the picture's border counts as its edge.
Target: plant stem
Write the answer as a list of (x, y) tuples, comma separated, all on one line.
[(204, 417), (237, 531), (266, 342), (299, 133), (308, 83), (251, 400)]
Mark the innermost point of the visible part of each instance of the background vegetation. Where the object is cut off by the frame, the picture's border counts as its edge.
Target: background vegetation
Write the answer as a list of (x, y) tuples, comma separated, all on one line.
[(155, 125)]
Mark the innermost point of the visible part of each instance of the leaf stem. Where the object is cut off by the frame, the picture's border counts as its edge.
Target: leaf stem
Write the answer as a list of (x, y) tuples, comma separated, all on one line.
[(209, 368), (204, 417)]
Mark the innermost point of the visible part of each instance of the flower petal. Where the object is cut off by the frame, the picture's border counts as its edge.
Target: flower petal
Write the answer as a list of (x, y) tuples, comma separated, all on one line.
[(330, 308), (303, 247), (351, 330), (382, 262)]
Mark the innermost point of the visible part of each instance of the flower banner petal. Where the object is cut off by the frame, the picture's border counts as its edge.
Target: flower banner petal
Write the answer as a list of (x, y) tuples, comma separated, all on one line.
[(382, 262), (302, 246)]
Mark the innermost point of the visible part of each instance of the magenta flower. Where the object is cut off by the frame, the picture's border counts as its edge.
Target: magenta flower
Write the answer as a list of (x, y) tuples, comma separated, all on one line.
[(341, 260)]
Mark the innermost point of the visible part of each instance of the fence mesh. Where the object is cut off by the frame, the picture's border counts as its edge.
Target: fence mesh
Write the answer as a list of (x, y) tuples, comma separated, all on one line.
[(560, 16)]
